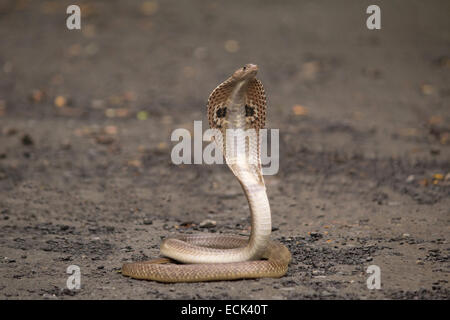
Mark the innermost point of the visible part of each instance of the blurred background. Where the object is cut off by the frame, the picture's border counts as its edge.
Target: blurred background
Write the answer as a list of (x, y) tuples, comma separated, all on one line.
[(86, 117)]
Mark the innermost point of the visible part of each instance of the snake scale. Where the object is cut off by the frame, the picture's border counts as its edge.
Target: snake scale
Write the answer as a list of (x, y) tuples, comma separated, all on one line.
[(237, 103)]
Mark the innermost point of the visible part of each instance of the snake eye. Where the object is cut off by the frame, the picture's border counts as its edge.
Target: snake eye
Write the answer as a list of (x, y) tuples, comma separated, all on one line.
[(243, 68)]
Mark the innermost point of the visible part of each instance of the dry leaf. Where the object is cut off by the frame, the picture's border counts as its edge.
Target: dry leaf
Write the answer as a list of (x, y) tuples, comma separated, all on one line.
[(299, 110), (122, 112), (438, 176), (427, 89), (37, 95), (142, 115), (135, 163), (112, 130), (60, 101), (310, 69), (435, 120)]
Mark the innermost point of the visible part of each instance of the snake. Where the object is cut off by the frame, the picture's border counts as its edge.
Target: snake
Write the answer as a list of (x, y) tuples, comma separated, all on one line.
[(238, 103)]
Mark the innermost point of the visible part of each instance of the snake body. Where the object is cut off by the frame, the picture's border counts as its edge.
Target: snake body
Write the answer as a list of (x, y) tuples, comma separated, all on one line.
[(238, 103)]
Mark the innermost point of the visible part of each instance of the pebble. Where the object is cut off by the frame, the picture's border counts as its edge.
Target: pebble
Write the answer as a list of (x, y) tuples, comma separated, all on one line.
[(27, 140), (66, 145), (148, 221), (208, 223), (9, 131)]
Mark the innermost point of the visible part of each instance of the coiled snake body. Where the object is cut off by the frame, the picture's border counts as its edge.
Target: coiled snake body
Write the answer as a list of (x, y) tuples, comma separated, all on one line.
[(238, 103)]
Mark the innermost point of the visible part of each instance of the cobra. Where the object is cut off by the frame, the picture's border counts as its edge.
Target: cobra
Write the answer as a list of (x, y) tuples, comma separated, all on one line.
[(238, 103)]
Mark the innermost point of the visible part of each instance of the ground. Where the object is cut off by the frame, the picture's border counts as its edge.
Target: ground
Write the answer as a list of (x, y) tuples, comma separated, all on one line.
[(86, 115)]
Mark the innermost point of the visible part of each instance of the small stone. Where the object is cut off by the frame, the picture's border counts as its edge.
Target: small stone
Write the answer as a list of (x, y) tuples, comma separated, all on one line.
[(435, 151), (187, 224), (37, 95), (27, 140), (136, 163), (112, 130), (410, 179), (148, 222), (8, 131), (103, 139), (208, 223), (66, 145)]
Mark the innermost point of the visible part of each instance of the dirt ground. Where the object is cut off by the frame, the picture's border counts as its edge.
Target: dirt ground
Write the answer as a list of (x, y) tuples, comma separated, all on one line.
[(86, 116)]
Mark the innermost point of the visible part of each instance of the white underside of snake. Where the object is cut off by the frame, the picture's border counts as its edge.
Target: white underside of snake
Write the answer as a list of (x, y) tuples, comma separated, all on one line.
[(237, 103)]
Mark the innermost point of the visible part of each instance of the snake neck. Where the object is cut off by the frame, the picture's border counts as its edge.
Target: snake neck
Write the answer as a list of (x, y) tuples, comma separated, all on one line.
[(261, 221)]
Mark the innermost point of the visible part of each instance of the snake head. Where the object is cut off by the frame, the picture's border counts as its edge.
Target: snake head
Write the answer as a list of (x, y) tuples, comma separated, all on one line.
[(246, 72)]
